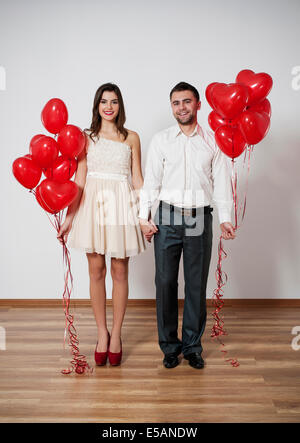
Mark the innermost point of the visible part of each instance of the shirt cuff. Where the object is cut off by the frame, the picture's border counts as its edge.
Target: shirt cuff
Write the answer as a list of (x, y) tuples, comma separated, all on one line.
[(225, 214), (224, 218), (144, 212)]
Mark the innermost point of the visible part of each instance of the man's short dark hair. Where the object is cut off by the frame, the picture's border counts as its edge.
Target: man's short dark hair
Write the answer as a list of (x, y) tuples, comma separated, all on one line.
[(183, 86)]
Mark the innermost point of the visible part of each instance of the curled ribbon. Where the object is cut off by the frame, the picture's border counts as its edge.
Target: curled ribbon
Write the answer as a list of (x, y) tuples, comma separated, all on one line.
[(78, 362), (221, 276), (218, 326)]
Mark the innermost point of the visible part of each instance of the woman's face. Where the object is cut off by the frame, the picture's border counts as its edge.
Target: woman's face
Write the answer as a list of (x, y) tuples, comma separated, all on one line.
[(109, 106)]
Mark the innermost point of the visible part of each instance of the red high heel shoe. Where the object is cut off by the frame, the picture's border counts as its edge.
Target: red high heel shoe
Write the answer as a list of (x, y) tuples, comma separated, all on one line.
[(115, 357), (101, 357)]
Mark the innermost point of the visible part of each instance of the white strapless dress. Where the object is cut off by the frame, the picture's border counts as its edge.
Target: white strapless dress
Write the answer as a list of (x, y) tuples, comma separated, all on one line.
[(106, 220)]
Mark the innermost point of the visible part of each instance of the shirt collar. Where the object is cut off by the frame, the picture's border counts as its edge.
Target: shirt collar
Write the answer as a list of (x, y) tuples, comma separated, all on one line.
[(197, 131)]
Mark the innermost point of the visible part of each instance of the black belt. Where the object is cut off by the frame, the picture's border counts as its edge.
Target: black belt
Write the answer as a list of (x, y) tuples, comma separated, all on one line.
[(187, 211)]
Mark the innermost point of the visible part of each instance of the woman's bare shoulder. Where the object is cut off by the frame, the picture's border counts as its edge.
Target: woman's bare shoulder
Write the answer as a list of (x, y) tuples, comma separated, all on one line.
[(133, 137)]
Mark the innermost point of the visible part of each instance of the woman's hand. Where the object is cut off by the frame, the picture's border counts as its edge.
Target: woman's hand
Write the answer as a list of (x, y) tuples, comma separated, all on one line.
[(65, 228), (148, 228)]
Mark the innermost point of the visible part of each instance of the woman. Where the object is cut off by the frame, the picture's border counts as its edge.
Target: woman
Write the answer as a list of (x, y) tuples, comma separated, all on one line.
[(103, 219)]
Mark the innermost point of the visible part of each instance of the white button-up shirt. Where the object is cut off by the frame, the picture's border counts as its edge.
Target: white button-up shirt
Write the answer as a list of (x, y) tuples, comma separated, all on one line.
[(186, 171)]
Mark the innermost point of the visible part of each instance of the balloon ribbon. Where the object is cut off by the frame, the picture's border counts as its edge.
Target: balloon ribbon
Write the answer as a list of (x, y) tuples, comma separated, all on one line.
[(221, 276), (78, 363)]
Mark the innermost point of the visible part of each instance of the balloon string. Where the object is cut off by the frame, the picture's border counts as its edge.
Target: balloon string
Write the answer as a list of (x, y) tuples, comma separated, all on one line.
[(78, 363), (221, 276), (234, 192), (218, 302), (243, 205), (239, 210), (249, 150)]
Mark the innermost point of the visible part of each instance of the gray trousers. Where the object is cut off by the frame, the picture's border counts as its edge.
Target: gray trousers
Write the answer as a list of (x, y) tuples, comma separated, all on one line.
[(193, 236)]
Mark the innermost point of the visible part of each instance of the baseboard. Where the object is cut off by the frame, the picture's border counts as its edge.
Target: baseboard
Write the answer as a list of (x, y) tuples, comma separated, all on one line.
[(40, 303)]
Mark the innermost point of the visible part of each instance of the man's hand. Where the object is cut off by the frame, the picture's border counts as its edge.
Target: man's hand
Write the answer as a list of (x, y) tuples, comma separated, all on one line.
[(148, 228), (227, 231)]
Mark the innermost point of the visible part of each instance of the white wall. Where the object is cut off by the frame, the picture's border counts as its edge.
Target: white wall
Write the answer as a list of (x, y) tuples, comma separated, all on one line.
[(67, 49)]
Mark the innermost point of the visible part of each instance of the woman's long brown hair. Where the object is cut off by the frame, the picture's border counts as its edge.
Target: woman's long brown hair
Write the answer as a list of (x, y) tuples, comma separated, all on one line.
[(97, 120)]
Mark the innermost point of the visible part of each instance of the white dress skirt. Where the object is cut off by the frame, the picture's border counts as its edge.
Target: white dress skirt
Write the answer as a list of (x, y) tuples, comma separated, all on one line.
[(106, 220)]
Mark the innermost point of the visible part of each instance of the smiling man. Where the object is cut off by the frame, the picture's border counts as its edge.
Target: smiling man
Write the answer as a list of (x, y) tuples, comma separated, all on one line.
[(186, 172)]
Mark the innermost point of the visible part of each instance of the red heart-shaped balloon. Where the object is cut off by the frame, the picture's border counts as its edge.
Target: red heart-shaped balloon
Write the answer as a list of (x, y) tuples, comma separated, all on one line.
[(71, 141), (34, 140), (26, 171), (215, 120), (62, 169), (254, 126), (54, 115), (54, 196), (263, 106), (230, 141), (259, 84), (41, 201), (208, 92), (229, 100), (44, 151)]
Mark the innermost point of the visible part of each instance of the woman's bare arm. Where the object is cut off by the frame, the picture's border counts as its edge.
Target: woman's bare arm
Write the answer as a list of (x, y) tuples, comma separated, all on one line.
[(136, 167), (80, 179)]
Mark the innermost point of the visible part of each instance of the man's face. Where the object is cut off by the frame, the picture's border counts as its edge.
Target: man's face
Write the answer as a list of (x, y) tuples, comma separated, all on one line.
[(185, 106)]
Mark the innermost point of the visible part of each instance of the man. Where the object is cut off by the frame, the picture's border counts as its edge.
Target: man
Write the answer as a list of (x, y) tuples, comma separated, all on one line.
[(185, 171)]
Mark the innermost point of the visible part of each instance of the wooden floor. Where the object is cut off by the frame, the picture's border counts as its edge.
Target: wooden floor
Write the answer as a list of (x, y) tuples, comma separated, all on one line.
[(265, 388)]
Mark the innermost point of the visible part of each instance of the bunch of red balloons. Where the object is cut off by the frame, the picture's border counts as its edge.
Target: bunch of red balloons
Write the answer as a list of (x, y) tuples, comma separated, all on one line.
[(55, 157), (241, 112)]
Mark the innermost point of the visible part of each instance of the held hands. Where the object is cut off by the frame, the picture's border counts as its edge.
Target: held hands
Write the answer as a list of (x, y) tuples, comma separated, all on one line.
[(65, 228), (148, 228), (227, 231)]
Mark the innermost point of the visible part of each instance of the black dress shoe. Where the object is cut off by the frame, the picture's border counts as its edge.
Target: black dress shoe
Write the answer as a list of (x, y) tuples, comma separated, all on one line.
[(195, 360), (171, 360)]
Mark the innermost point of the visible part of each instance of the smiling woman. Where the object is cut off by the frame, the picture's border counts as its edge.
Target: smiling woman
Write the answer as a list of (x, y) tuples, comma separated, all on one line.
[(108, 104), (103, 220)]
